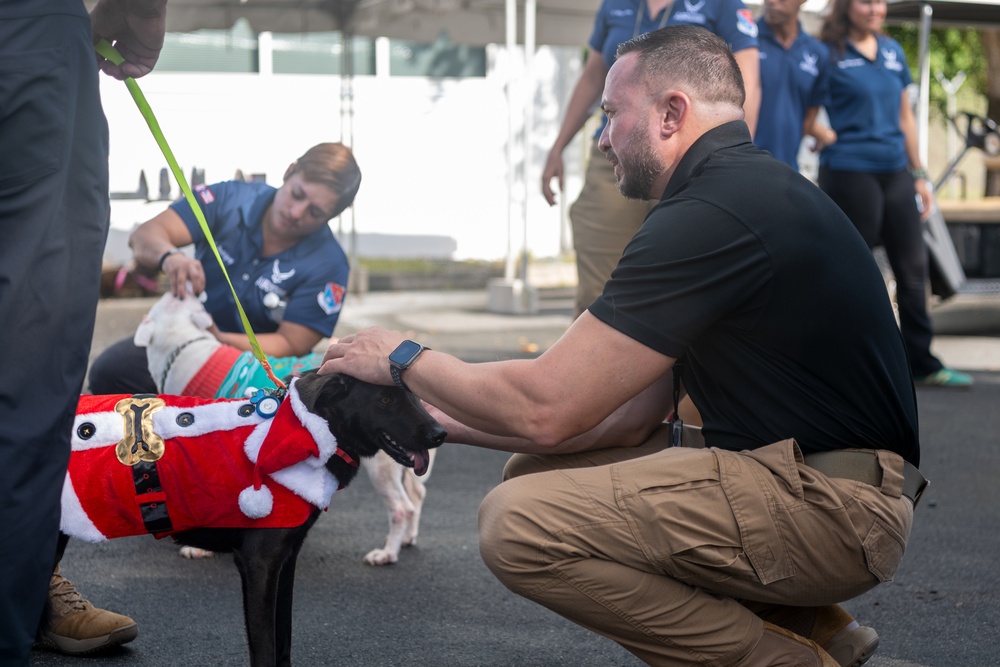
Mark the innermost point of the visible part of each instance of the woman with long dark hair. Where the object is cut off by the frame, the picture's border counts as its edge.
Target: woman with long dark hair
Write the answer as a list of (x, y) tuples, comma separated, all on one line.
[(873, 170)]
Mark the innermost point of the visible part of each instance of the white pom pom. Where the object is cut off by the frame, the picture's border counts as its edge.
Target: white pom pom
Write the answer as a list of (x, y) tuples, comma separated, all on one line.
[(255, 503)]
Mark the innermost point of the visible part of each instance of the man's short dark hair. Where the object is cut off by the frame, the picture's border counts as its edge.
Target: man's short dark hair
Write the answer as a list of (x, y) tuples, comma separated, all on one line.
[(689, 55)]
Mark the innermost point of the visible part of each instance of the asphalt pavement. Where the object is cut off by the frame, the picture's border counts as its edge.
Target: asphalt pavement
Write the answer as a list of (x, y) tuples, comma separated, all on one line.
[(440, 607)]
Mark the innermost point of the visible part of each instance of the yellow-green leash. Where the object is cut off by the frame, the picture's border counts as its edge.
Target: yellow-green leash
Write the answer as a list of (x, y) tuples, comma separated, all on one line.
[(109, 52)]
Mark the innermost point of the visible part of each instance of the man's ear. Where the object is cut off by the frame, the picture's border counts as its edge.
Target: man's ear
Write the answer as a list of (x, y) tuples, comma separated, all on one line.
[(673, 110)]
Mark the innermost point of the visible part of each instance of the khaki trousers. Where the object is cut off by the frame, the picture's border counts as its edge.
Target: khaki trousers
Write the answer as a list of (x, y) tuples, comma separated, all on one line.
[(654, 547), (603, 222)]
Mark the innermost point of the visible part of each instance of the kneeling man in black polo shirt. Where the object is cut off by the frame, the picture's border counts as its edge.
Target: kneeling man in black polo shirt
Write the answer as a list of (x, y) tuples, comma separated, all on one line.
[(751, 288)]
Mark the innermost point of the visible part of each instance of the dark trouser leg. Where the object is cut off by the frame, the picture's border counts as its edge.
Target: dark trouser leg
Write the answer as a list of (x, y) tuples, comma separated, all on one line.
[(883, 209), (903, 239), (121, 369), (53, 222)]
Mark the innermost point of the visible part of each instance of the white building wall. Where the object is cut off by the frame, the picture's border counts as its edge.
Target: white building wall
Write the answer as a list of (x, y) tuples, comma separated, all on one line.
[(432, 152)]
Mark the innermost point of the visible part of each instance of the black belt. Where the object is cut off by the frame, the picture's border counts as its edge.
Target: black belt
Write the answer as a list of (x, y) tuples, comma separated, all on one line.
[(149, 494), (863, 466)]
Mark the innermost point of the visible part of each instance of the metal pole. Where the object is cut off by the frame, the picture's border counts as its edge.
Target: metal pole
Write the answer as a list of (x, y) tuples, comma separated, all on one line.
[(511, 33), (923, 103), (530, 12)]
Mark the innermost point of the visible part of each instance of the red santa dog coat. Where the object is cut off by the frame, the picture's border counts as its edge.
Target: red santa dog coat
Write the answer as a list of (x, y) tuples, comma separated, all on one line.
[(220, 464)]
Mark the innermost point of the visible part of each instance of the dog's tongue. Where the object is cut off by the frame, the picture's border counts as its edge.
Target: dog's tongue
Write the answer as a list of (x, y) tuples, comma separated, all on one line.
[(421, 461)]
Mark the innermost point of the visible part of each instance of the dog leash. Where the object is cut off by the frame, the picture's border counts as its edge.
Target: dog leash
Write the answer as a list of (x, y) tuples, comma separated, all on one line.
[(104, 48)]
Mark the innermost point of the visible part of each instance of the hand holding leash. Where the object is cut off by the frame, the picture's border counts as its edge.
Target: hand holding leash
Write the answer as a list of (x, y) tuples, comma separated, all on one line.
[(135, 29)]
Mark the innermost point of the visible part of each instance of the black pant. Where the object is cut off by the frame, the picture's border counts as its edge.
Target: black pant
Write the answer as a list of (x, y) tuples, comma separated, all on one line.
[(54, 214), (883, 208)]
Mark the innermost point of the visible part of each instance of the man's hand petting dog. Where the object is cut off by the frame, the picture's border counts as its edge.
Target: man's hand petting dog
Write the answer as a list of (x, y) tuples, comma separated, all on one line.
[(363, 355)]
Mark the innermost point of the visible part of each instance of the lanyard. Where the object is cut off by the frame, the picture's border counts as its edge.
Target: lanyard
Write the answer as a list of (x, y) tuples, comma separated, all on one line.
[(109, 52), (641, 11)]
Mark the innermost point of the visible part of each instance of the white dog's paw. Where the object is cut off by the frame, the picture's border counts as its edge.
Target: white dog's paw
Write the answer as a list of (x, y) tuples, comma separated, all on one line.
[(381, 557), (195, 553)]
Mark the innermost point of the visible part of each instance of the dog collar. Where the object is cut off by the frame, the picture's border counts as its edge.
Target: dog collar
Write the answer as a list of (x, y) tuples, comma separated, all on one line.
[(172, 357), (346, 458)]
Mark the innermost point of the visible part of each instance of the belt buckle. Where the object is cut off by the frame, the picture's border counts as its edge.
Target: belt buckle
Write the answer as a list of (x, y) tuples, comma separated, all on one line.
[(920, 493)]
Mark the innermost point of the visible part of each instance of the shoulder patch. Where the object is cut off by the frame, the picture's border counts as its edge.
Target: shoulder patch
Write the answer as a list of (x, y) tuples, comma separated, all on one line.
[(745, 22), (205, 194), (331, 299)]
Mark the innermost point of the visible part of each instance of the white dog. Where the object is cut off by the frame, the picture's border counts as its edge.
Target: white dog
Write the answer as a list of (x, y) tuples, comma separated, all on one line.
[(185, 359)]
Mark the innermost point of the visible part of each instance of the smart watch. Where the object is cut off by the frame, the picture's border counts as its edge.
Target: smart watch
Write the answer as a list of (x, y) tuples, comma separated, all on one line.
[(402, 358)]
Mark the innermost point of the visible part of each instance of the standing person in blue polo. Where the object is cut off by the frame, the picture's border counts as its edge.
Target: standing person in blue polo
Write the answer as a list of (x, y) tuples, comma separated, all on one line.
[(288, 270), (602, 220), (793, 66), (873, 170)]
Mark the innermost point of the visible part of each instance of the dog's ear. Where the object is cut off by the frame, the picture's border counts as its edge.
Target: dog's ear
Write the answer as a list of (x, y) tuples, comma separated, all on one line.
[(144, 332), (201, 318), (314, 388)]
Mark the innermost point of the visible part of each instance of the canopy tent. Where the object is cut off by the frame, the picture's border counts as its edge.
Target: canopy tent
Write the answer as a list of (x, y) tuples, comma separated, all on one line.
[(479, 22), (471, 22)]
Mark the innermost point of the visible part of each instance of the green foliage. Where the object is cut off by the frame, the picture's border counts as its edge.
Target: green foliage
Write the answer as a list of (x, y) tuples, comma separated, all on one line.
[(952, 50)]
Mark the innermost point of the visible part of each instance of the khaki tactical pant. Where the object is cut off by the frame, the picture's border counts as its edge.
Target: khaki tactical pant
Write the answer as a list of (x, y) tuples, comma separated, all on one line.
[(654, 547)]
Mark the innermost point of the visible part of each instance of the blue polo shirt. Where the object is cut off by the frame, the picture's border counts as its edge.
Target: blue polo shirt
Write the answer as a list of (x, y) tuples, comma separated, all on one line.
[(862, 100), (619, 21), (791, 82), (308, 280)]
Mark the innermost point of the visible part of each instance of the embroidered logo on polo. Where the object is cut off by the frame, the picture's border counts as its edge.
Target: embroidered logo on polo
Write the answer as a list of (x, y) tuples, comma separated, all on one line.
[(692, 13), (331, 299), (890, 58), (851, 62), (278, 276), (270, 286), (745, 22), (808, 63), (226, 257)]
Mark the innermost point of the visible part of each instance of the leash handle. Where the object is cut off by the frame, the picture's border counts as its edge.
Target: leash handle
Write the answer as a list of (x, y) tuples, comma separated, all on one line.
[(104, 48)]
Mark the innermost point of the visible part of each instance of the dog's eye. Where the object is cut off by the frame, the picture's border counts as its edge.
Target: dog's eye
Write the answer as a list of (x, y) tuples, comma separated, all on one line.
[(86, 431), (385, 401), (185, 419)]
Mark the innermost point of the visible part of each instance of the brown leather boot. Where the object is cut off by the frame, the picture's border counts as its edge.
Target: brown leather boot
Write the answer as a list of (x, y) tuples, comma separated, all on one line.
[(77, 627), (782, 648), (847, 642)]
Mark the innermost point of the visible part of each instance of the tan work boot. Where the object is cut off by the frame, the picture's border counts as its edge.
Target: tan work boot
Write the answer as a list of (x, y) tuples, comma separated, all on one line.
[(847, 642), (77, 627), (783, 648)]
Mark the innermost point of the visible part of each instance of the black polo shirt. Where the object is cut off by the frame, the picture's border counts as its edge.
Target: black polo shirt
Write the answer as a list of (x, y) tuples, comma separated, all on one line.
[(753, 274)]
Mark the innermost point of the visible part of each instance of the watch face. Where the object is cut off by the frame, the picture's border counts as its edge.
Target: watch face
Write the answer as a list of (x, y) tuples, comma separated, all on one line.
[(404, 355)]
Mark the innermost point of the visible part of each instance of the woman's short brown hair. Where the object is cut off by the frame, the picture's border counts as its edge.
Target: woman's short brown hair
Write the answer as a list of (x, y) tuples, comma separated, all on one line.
[(332, 165)]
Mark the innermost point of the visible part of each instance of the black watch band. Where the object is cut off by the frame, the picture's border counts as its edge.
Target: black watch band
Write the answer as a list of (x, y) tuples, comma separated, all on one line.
[(402, 358), (397, 377)]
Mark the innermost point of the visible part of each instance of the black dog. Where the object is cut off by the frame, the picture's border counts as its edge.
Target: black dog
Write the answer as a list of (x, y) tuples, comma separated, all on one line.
[(363, 418)]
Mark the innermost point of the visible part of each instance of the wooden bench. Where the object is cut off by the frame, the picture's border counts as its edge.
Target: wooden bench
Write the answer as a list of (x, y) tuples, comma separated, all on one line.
[(974, 226), (970, 211)]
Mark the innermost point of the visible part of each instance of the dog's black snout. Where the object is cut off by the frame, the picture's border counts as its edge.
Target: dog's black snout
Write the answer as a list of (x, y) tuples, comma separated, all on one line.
[(438, 434)]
